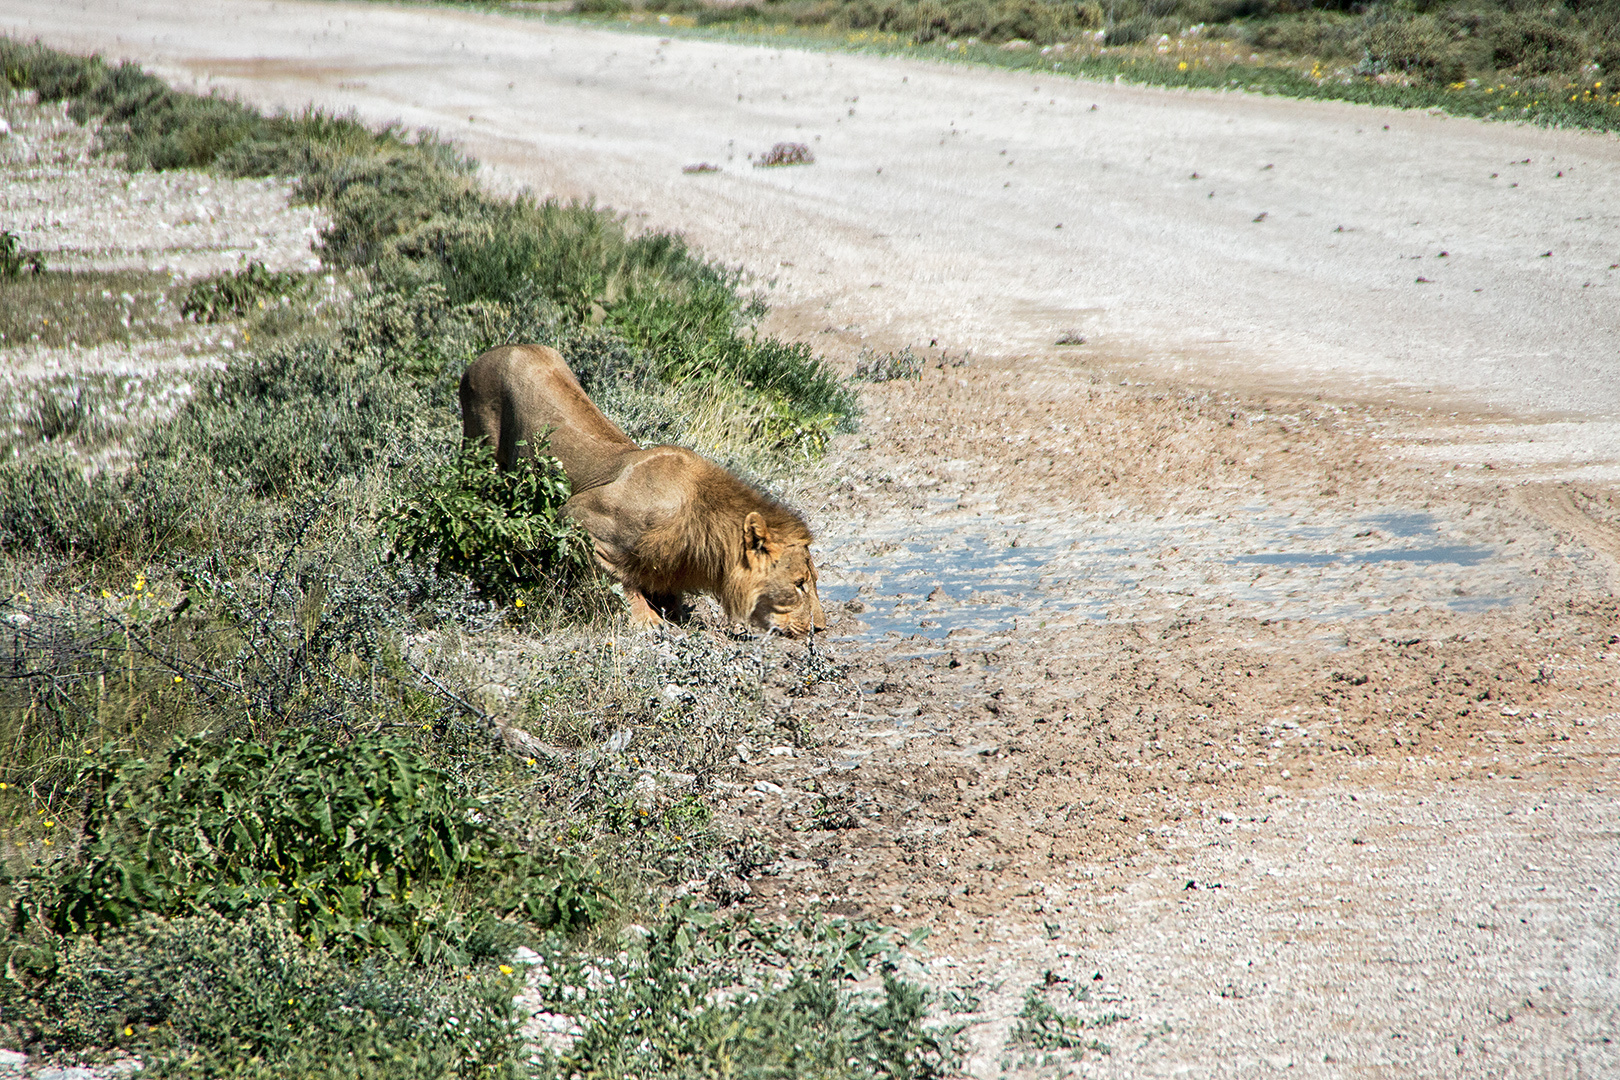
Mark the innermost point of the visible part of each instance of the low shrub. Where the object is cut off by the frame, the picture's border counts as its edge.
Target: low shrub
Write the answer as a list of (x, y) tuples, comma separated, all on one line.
[(1525, 44), (233, 295), (887, 367), (784, 153), (15, 259), (504, 529), (1413, 45), (363, 844), (250, 996), (761, 1001)]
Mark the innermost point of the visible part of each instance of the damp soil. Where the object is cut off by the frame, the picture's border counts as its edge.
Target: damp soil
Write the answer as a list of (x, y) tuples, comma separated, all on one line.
[(1214, 721)]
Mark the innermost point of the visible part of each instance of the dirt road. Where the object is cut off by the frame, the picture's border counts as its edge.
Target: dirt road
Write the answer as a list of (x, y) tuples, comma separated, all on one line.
[(1242, 681)]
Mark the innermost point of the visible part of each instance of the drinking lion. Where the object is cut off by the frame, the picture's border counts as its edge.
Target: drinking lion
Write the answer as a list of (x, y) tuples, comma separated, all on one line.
[(664, 520)]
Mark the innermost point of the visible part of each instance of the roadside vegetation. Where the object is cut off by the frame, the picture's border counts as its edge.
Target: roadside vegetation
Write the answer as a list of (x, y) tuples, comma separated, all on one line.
[(1555, 63), (320, 743)]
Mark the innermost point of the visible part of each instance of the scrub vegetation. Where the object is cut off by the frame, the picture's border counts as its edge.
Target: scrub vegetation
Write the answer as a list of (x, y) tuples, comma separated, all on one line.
[(264, 812), (1556, 63)]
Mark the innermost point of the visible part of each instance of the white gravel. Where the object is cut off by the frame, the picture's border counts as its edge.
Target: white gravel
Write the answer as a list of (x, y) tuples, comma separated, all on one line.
[(85, 213), (933, 208)]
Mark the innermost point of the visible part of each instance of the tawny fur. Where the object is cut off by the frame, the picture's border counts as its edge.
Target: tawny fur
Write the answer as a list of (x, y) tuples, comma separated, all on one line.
[(664, 520)]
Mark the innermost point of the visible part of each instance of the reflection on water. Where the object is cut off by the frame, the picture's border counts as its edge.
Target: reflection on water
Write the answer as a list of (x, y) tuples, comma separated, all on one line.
[(931, 582)]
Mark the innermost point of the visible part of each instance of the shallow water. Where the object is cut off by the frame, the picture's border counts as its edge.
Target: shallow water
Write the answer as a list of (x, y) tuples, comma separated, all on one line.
[(966, 578)]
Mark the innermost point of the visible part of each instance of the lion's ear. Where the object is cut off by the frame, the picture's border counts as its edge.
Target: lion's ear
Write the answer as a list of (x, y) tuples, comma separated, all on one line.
[(756, 534)]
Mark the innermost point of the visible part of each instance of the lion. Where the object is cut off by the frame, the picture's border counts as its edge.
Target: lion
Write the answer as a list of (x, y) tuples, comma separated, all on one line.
[(664, 521)]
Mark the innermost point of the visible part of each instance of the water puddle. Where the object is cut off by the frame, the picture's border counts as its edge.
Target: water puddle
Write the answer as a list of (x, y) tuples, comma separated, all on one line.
[(971, 578)]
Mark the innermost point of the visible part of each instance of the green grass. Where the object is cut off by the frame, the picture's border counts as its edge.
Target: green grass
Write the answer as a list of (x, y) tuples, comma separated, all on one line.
[(264, 812), (1557, 66), (87, 308)]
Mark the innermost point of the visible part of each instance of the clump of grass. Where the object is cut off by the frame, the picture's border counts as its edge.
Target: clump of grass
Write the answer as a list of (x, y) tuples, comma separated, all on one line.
[(54, 309), (785, 153), (153, 126), (887, 367), (239, 293)]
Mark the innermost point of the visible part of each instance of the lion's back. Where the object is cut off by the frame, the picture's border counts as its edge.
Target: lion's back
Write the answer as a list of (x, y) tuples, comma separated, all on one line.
[(517, 396)]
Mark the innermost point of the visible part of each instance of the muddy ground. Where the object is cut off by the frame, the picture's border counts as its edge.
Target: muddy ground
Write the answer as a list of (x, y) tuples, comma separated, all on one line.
[(1255, 730), (1256, 831)]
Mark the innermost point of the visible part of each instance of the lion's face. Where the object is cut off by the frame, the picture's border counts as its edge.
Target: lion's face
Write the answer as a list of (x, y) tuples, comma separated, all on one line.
[(784, 592)]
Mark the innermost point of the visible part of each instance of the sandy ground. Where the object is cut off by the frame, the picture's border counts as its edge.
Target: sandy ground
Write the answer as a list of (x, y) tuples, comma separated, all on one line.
[(1246, 680)]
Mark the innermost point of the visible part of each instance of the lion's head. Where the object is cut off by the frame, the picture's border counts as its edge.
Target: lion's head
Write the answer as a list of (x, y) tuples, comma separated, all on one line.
[(774, 587)]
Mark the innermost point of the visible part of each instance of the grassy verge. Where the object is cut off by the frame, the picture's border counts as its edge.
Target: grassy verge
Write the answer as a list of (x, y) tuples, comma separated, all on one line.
[(1558, 65), (283, 793)]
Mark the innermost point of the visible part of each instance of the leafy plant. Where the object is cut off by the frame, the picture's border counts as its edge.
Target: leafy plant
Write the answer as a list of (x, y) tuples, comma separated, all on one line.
[(233, 295), (203, 994), (15, 259), (1040, 1026), (365, 845), (504, 528), (740, 998)]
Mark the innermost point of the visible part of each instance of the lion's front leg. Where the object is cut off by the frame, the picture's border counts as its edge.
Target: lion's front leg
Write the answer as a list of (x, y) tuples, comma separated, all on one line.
[(611, 558), (642, 614)]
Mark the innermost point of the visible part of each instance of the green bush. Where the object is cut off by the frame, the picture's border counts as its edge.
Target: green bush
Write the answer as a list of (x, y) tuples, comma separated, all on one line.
[(749, 1000), (366, 845), (504, 529), (1414, 45), (1528, 45), (16, 259), (233, 295), (206, 995)]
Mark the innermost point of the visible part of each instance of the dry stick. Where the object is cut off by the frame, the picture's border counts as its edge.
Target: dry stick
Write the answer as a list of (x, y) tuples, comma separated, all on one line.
[(517, 742)]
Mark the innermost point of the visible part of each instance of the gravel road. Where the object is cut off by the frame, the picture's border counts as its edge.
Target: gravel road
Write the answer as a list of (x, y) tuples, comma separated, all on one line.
[(1220, 237), (1250, 668)]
